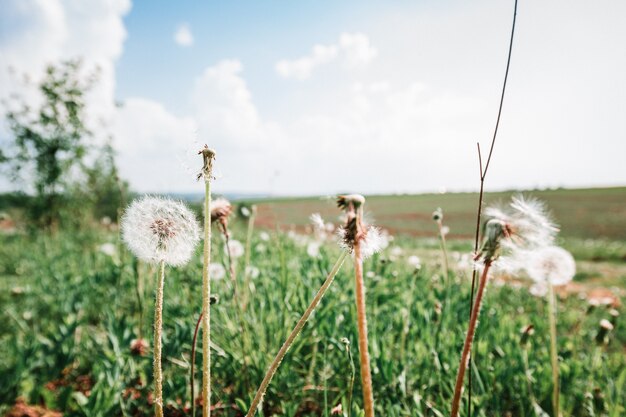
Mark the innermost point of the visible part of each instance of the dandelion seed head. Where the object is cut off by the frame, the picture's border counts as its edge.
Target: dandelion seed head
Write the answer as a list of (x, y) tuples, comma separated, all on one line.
[(414, 261), (264, 236), (217, 271), (551, 264), (236, 248), (539, 289), (313, 249), (317, 222), (253, 272), (108, 249), (160, 229)]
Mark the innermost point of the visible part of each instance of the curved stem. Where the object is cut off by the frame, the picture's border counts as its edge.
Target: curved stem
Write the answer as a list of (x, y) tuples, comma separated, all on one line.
[(206, 304), (469, 338), (292, 336), (158, 326), (366, 373), (553, 351)]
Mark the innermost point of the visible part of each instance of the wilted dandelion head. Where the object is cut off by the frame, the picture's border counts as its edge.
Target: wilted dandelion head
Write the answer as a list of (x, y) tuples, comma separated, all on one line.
[(551, 264), (220, 211), (208, 155), (522, 225), (355, 230), (159, 229)]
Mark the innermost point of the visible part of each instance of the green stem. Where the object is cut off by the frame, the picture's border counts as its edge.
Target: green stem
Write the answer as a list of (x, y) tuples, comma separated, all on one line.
[(352, 373), (553, 350), (366, 373), (206, 304), (292, 336), (246, 273), (158, 326)]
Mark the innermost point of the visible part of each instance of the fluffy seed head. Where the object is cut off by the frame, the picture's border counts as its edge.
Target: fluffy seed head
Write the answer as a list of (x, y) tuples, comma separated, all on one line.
[(551, 264), (522, 225), (159, 229)]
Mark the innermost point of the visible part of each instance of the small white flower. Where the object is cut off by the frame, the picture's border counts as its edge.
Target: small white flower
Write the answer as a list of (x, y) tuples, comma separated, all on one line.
[(217, 271), (260, 248), (245, 211), (108, 249), (160, 229), (253, 272), (370, 274), (236, 248), (329, 227), (396, 251), (551, 264), (313, 249), (414, 261), (445, 230), (264, 236)]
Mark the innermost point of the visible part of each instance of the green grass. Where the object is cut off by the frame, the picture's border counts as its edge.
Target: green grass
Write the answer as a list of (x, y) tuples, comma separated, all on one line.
[(69, 312), (598, 213)]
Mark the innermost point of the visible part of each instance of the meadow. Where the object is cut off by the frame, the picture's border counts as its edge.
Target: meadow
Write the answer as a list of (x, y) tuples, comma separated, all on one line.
[(72, 309)]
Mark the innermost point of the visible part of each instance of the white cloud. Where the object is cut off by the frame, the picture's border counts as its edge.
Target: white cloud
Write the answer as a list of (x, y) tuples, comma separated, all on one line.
[(353, 49), (154, 146), (183, 35), (41, 32)]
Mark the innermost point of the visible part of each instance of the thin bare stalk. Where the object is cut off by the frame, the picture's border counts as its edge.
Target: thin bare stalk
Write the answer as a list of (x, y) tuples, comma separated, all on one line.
[(483, 174), (352, 374), (467, 346), (139, 294), (158, 326), (366, 373), (553, 350), (206, 304), (246, 273), (292, 336)]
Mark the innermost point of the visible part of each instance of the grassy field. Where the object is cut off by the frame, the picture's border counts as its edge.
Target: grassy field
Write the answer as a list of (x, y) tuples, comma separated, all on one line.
[(598, 213), (69, 312)]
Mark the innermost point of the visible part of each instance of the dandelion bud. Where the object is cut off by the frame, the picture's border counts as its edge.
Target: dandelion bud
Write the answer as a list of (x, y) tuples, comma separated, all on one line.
[(525, 334), (438, 215), (614, 313), (345, 341), (495, 230), (603, 332), (139, 347)]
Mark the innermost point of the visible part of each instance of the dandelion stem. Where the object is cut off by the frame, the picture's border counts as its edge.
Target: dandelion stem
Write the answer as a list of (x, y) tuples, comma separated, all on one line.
[(467, 346), (292, 336), (158, 326), (553, 349), (246, 273), (192, 381), (352, 373), (366, 373), (206, 303)]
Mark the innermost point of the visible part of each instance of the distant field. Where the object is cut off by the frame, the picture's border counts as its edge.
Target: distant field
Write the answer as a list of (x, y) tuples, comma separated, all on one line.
[(598, 213)]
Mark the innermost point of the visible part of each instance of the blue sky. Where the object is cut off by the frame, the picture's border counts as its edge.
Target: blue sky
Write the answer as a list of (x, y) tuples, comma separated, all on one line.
[(320, 97)]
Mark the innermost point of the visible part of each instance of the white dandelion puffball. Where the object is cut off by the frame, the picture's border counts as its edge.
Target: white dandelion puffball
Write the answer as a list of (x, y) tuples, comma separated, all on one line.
[(264, 236), (236, 248), (253, 272), (313, 249), (108, 249), (317, 222), (217, 271), (414, 261), (539, 289), (159, 229), (551, 264)]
